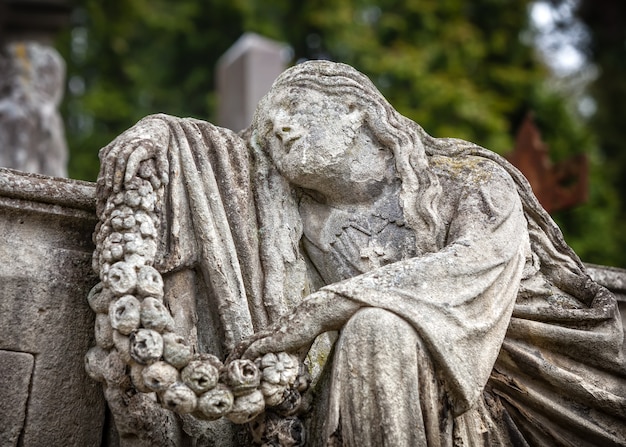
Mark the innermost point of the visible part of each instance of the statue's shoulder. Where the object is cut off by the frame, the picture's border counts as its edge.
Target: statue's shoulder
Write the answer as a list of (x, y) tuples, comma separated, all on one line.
[(468, 170), (171, 119)]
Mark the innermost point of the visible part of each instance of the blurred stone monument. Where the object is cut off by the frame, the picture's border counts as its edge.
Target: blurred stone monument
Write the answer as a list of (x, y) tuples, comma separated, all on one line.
[(244, 74), (32, 82)]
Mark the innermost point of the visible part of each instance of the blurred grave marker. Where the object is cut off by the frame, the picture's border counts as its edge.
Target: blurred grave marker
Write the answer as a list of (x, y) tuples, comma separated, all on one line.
[(244, 74), (32, 82)]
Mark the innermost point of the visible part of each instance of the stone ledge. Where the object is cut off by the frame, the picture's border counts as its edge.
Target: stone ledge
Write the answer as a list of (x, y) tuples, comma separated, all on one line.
[(37, 188)]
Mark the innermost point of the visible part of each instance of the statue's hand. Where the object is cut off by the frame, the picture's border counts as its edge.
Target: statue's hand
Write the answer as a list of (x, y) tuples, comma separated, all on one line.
[(320, 312), (122, 158), (283, 337)]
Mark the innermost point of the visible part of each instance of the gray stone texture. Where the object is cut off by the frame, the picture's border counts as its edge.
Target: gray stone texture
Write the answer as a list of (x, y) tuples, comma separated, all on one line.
[(47, 327), (32, 83), (485, 328), (16, 369), (613, 279), (459, 313)]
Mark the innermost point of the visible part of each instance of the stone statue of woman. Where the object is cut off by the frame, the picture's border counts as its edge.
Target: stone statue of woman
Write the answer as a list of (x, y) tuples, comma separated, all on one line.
[(432, 298)]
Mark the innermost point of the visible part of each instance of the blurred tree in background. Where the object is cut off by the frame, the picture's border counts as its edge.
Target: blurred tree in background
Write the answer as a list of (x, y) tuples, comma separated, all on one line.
[(605, 21), (597, 28), (131, 58), (460, 69)]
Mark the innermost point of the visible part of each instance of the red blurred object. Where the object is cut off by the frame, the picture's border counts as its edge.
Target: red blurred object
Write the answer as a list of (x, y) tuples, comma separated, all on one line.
[(558, 186)]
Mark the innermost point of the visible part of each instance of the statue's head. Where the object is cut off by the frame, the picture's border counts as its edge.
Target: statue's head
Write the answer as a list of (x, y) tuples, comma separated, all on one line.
[(316, 125), (335, 101), (349, 92)]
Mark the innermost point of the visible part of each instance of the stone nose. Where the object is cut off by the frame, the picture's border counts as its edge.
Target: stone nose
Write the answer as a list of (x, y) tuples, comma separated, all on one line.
[(282, 132), (286, 131)]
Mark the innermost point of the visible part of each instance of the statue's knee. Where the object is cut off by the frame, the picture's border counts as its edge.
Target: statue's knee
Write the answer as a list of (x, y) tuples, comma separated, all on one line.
[(380, 326)]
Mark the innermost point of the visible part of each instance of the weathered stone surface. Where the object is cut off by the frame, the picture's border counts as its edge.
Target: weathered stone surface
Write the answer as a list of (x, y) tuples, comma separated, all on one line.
[(45, 245), (150, 311), (16, 369), (217, 286), (614, 279)]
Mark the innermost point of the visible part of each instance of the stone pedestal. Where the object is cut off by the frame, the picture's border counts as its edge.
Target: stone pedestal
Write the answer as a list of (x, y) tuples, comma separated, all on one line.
[(46, 325)]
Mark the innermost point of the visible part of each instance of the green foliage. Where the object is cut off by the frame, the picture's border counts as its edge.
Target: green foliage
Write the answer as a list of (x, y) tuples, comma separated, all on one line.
[(595, 230), (605, 21), (460, 69), (135, 58), (456, 68)]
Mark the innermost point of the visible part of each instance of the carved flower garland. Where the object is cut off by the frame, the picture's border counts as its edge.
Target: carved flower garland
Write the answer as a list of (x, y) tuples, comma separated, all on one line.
[(136, 342)]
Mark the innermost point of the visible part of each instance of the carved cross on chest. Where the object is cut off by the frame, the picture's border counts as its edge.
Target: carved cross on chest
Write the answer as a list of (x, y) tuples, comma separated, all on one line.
[(374, 252), (373, 239)]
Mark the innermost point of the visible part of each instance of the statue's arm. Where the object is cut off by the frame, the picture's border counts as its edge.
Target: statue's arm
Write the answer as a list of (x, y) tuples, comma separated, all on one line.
[(320, 312), (488, 232)]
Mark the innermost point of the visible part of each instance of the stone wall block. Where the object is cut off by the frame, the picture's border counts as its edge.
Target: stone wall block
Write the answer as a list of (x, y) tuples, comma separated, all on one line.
[(16, 369), (47, 325)]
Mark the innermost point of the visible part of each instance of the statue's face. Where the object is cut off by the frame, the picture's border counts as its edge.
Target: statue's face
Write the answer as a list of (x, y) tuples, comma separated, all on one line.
[(312, 137)]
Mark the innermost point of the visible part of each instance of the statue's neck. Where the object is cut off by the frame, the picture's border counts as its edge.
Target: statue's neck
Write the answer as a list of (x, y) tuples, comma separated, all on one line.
[(366, 201)]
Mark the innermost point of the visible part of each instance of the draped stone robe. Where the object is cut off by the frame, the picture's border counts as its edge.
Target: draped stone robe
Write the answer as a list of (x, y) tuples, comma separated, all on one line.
[(513, 343)]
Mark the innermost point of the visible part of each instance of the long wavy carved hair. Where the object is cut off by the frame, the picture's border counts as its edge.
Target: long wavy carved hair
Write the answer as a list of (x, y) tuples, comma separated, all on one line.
[(420, 189)]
